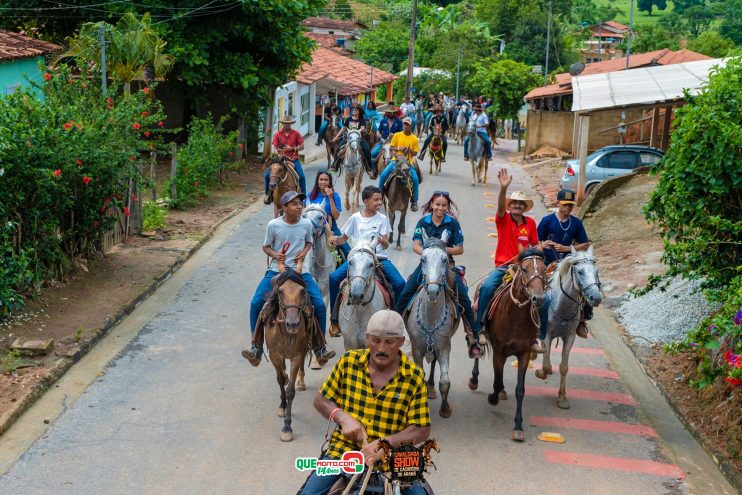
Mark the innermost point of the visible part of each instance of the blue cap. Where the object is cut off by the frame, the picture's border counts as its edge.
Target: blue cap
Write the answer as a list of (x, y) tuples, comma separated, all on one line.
[(290, 195)]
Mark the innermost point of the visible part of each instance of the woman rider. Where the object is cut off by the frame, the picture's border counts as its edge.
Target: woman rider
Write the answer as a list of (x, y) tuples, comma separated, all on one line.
[(372, 115), (440, 214), (322, 191), (353, 123)]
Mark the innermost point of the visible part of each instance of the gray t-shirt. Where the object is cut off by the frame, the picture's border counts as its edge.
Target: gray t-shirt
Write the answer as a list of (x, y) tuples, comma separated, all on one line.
[(297, 235)]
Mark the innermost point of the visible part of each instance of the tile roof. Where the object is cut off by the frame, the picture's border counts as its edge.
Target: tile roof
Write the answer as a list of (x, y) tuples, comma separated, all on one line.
[(15, 45), (354, 74), (327, 23), (617, 25), (658, 57)]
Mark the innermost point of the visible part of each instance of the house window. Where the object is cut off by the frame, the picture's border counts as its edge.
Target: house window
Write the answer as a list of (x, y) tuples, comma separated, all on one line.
[(12, 88), (304, 100), (290, 106)]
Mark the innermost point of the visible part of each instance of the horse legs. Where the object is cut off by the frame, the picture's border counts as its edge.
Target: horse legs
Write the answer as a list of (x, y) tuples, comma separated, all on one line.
[(562, 401), (520, 391), (430, 170), (546, 361), (431, 380), (282, 378), (498, 363), (474, 380), (392, 216), (484, 166), (300, 385), (297, 363), (347, 195), (473, 173), (445, 385), (400, 227)]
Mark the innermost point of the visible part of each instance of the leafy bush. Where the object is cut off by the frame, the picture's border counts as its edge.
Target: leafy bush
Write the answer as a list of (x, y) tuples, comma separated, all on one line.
[(154, 216), (201, 160), (15, 275)]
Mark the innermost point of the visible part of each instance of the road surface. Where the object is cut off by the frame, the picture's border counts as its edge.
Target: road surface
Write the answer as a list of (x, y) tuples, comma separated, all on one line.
[(166, 404)]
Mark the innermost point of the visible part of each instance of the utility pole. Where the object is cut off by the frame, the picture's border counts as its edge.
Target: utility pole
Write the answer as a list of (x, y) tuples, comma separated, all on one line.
[(102, 38), (458, 70), (411, 50), (631, 31), (600, 41), (372, 82), (548, 40)]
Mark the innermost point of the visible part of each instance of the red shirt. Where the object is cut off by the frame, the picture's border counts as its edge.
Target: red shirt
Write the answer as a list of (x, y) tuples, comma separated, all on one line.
[(511, 236), (292, 139)]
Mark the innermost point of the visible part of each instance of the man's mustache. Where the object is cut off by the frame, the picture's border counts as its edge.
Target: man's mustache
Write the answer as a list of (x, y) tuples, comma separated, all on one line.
[(381, 354)]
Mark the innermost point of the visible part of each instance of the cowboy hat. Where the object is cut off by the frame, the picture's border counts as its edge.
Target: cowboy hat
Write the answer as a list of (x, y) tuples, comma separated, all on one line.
[(520, 196), (477, 106), (391, 108), (287, 119)]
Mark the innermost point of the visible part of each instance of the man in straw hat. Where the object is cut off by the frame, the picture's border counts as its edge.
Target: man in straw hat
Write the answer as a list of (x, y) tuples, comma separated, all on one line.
[(437, 119), (482, 122), (515, 233), (287, 142), (356, 397)]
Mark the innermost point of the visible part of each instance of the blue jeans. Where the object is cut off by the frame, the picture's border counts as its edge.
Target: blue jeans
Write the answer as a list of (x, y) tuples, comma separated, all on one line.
[(427, 119), (324, 126), (299, 170), (487, 144), (344, 247), (264, 287), (413, 175), (390, 271), (320, 485), (377, 149), (486, 291)]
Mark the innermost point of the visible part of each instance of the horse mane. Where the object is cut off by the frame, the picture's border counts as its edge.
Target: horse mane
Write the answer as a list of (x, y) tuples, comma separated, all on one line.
[(361, 246), (566, 264), (530, 252), (434, 242), (272, 297)]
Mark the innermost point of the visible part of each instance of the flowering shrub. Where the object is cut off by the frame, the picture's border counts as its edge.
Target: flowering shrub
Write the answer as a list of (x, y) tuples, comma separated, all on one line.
[(154, 215), (67, 161), (201, 160)]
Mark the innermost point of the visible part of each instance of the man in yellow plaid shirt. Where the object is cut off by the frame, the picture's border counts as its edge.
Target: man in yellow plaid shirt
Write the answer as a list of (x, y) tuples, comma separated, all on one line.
[(404, 143), (371, 394)]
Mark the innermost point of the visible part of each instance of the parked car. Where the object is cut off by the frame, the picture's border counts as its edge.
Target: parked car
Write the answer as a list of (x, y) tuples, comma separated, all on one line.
[(609, 162)]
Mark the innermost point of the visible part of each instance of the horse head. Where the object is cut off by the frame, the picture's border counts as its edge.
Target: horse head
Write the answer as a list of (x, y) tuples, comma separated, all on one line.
[(434, 265), (278, 168), (288, 300), (585, 273), (532, 274), (361, 266), (471, 127), (317, 214), (354, 140)]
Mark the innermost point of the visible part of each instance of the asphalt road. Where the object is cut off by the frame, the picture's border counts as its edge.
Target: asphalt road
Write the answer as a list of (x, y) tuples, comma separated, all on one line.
[(166, 404)]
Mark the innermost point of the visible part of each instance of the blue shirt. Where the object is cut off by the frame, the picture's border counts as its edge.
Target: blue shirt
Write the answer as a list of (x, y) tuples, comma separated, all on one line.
[(321, 197), (425, 224), (564, 233), (386, 129)]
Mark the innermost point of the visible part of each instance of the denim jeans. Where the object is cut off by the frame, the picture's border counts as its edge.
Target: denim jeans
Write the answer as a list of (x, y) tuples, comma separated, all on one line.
[(325, 125), (487, 144), (390, 271), (488, 288), (299, 170), (320, 485), (377, 149), (413, 175), (264, 287)]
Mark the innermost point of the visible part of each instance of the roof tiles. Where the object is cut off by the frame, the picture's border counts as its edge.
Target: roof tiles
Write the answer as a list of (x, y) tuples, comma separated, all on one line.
[(14, 46), (354, 74)]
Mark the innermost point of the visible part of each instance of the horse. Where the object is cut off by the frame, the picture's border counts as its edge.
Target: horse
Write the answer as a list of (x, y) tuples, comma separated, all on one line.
[(287, 331), (449, 108), (361, 296), (396, 195), (419, 120), (353, 168), (477, 156), (513, 329), (370, 137), (385, 155), (460, 125), (492, 130), (283, 178), (321, 258), (432, 320), (436, 151), (574, 282), (331, 146)]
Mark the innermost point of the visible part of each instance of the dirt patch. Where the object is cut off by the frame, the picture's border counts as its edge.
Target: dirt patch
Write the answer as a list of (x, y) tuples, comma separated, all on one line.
[(73, 311)]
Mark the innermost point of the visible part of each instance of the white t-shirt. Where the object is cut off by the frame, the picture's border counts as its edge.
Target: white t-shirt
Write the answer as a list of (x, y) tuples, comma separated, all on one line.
[(407, 108), (297, 235), (360, 228), (482, 122)]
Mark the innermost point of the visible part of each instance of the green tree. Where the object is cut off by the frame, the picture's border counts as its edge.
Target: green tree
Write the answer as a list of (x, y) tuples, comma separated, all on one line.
[(699, 19), (650, 37), (342, 10), (506, 82), (731, 24), (386, 44), (680, 6), (648, 5), (590, 12), (674, 24), (711, 43), (698, 198)]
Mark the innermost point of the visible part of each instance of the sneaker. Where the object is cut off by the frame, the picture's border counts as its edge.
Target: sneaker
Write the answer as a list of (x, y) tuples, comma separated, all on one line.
[(538, 346), (268, 199), (443, 160), (334, 329), (421, 156), (323, 355), (466, 157), (254, 355), (582, 330), (413, 205)]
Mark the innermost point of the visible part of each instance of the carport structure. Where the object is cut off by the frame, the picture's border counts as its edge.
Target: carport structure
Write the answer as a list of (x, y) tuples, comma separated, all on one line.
[(646, 88)]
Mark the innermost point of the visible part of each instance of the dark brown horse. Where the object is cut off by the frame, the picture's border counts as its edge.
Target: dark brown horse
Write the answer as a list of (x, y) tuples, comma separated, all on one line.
[(436, 151), (396, 195), (513, 329), (283, 178), (331, 146)]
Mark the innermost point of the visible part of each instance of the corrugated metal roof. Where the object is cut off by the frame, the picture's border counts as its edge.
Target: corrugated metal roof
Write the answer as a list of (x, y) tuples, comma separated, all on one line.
[(645, 85)]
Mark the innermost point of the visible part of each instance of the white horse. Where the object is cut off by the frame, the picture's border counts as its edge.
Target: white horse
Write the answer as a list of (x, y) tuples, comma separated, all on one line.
[(321, 258), (353, 168), (574, 282), (477, 155), (460, 126)]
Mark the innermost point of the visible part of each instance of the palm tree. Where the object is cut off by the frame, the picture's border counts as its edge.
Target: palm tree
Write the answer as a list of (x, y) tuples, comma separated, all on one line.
[(134, 52)]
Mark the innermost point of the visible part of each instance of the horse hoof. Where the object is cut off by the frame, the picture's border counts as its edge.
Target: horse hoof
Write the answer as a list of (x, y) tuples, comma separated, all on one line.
[(473, 385), (519, 436), (541, 374), (446, 413), (563, 403), (281, 412), (432, 394), (287, 436), (473, 184), (398, 247), (301, 386), (503, 395), (493, 399)]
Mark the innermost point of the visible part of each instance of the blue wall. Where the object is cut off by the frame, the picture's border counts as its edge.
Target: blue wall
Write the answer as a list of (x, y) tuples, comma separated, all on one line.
[(16, 73)]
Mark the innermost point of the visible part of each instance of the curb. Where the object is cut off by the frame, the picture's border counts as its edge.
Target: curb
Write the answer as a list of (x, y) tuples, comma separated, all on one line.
[(65, 362)]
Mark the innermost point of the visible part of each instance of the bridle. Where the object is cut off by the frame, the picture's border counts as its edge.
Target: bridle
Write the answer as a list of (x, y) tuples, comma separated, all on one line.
[(526, 284), (444, 278), (285, 172), (581, 290), (366, 281), (282, 307)]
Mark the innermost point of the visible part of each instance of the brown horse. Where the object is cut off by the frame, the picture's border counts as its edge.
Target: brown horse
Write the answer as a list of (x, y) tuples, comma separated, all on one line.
[(289, 315), (283, 178), (396, 195), (513, 329), (331, 146), (436, 151)]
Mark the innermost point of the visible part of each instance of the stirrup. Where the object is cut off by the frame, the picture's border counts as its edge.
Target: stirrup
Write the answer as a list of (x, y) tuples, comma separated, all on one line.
[(582, 330), (334, 329), (323, 355), (475, 351), (268, 199), (482, 339), (538, 346)]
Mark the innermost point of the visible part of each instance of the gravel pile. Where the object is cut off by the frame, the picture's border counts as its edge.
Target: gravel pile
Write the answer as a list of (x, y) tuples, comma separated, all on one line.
[(664, 317)]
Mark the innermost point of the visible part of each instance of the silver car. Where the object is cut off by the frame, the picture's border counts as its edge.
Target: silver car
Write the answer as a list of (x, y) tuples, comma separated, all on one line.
[(609, 162)]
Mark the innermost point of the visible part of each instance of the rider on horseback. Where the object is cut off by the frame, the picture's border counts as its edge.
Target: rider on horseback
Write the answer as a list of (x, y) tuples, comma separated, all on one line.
[(331, 110), (437, 119), (353, 123), (404, 143), (295, 231), (288, 142), (441, 215), (364, 226), (358, 397), (388, 126), (482, 121)]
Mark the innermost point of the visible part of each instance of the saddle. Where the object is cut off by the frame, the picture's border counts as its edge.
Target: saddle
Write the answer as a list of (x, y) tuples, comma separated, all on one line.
[(315, 337), (452, 293), (294, 174), (398, 173), (491, 305)]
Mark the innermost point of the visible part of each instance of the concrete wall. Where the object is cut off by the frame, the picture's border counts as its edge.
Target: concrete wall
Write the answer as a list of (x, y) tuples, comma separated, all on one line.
[(549, 128), (605, 119), (15, 74)]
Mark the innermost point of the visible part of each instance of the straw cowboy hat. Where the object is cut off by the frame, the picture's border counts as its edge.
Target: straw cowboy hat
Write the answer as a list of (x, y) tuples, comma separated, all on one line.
[(287, 119), (520, 196)]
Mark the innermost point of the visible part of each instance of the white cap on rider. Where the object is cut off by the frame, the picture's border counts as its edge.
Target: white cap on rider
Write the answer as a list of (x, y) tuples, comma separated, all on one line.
[(407, 120), (385, 323)]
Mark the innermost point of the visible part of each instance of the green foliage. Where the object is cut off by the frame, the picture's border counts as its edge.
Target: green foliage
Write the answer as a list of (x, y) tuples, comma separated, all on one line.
[(699, 18), (154, 216), (697, 202), (67, 165), (711, 43), (430, 82), (674, 24), (11, 361), (731, 23), (341, 9), (653, 37), (648, 5), (680, 6), (506, 82), (387, 44), (399, 12), (201, 160), (591, 12)]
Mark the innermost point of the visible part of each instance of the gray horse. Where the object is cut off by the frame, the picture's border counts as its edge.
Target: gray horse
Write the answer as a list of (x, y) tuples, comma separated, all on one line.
[(432, 319), (362, 298), (460, 127), (321, 258), (353, 168), (574, 282), (477, 156)]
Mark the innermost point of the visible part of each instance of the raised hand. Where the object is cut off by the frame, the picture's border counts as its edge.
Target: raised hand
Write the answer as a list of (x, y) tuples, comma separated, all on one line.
[(504, 178)]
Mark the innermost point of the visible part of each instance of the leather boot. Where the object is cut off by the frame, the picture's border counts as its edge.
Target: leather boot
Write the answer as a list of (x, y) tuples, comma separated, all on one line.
[(413, 205), (582, 329), (254, 354), (334, 329), (323, 354), (268, 198)]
